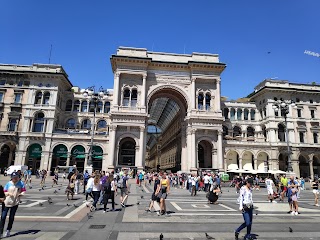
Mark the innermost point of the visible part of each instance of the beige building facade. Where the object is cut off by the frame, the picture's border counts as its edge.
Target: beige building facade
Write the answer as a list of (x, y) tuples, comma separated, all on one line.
[(165, 111)]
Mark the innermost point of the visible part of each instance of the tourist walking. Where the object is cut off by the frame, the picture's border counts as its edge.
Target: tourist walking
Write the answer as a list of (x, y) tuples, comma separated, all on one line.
[(315, 191), (246, 207), (163, 192), (293, 196), (96, 188), (13, 190), (154, 196), (269, 184), (109, 190), (86, 177), (123, 185), (71, 185), (89, 187)]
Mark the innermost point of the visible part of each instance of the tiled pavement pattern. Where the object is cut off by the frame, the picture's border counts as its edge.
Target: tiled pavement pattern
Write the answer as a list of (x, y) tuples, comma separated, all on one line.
[(190, 217)]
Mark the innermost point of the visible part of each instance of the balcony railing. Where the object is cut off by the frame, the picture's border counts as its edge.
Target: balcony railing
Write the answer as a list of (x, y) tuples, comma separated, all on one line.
[(78, 131)]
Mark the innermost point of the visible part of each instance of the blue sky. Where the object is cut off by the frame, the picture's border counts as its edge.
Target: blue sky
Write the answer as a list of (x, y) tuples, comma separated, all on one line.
[(84, 34)]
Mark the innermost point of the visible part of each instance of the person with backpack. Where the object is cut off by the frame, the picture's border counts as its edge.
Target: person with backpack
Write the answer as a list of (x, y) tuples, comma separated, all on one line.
[(123, 185), (109, 190), (86, 177)]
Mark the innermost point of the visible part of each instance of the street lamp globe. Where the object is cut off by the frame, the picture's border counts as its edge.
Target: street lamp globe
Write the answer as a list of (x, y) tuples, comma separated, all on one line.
[(85, 94)]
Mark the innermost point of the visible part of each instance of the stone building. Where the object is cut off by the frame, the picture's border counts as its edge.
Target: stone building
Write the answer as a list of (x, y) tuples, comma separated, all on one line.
[(165, 111)]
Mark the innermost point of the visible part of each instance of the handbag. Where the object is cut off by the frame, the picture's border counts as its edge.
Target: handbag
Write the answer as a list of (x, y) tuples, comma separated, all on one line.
[(71, 185)]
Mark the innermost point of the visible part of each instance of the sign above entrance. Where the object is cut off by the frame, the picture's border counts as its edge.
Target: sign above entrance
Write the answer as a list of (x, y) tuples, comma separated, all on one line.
[(35, 151), (78, 152), (60, 151), (97, 152)]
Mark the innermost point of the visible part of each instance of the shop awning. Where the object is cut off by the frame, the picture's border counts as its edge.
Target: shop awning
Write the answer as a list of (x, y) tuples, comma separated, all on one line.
[(78, 151), (35, 150), (60, 151), (97, 152)]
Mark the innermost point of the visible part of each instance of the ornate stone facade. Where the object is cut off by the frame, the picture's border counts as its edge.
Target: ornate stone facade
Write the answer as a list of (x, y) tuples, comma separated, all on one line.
[(45, 121)]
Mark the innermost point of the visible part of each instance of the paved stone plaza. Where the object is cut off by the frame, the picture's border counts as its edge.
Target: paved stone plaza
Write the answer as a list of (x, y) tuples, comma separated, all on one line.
[(189, 218)]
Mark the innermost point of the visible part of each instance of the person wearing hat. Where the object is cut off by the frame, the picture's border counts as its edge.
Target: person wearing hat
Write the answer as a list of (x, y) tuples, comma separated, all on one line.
[(246, 207), (13, 190)]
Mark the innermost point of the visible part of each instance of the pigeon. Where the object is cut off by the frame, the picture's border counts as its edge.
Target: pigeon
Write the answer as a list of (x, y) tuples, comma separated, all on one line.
[(39, 189), (87, 205), (59, 189), (68, 204), (256, 212), (161, 236), (49, 199), (42, 188), (75, 205), (141, 197), (40, 204), (142, 190), (55, 191), (138, 203), (290, 229), (208, 236)]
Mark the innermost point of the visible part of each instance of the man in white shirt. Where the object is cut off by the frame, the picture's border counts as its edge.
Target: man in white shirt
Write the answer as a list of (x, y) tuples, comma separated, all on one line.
[(269, 184), (206, 180), (194, 180)]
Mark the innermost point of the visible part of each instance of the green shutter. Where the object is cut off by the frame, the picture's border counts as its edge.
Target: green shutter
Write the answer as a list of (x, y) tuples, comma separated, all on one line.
[(97, 152), (35, 150), (78, 152), (60, 151)]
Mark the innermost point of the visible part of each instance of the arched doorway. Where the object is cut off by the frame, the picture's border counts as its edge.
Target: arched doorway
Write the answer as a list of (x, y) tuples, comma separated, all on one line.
[(78, 155), (316, 166), (232, 160), (4, 157), (304, 167), (59, 156), (283, 162), (34, 153), (204, 154), (97, 157), (167, 107), (261, 160), (247, 160), (127, 152)]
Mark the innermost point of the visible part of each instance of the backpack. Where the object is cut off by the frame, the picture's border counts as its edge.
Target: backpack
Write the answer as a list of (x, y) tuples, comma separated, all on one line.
[(107, 188), (120, 183)]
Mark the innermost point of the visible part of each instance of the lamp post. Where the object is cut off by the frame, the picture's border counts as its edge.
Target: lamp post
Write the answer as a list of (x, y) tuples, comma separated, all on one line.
[(94, 97), (283, 106)]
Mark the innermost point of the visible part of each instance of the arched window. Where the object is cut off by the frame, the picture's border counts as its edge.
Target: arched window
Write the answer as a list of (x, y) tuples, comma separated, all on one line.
[(232, 114), (38, 125), (91, 106), (134, 98), (100, 107), (86, 124), (208, 99), (12, 127), (225, 130), (200, 101), (281, 133), (46, 98), (239, 114), (71, 123), (226, 113), (38, 98), (246, 114), (250, 132), (236, 131), (107, 107), (69, 106), (126, 97), (253, 114), (84, 106), (76, 106), (101, 124)]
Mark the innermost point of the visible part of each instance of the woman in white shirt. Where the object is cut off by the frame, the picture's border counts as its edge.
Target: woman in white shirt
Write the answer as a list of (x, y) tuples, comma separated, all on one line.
[(109, 191), (96, 188), (246, 207)]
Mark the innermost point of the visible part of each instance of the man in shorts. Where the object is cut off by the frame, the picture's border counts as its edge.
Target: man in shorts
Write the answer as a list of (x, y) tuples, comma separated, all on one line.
[(269, 184), (154, 196), (123, 185)]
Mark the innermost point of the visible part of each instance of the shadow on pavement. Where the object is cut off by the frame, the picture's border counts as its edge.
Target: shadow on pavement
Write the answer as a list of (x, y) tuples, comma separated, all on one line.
[(26, 232)]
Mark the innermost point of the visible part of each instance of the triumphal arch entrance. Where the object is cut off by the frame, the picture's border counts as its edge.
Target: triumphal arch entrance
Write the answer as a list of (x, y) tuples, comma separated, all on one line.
[(166, 111)]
